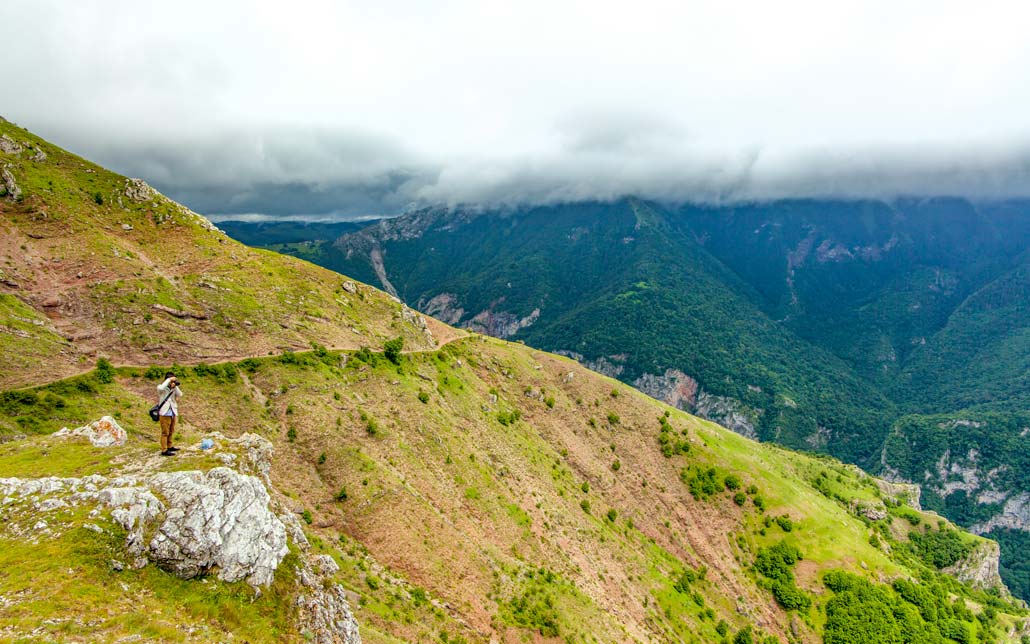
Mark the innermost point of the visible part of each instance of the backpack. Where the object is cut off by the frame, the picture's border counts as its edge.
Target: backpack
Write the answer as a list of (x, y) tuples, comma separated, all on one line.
[(155, 411)]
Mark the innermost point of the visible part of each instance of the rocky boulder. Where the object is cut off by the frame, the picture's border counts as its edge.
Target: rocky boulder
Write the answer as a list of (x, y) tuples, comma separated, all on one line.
[(874, 511), (9, 145), (8, 186), (324, 612), (139, 190), (217, 520), (105, 432)]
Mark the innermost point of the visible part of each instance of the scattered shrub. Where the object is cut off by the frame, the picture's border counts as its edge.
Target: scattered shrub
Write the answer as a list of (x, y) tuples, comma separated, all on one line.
[(341, 495), (423, 397), (702, 482), (392, 350), (308, 519), (291, 434), (104, 373)]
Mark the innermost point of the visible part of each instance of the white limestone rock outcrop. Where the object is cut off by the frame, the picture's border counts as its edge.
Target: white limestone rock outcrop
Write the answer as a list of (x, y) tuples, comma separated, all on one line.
[(139, 190), (105, 432), (323, 610), (224, 522), (217, 520)]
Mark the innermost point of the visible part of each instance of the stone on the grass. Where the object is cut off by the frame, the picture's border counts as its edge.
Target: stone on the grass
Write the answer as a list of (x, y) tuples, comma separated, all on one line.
[(105, 432)]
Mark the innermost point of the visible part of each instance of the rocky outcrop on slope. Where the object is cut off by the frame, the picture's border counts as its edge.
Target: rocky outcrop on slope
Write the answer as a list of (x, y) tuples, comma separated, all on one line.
[(224, 522), (501, 324), (979, 568), (217, 520), (728, 412), (139, 190), (105, 432), (1014, 515), (673, 388), (8, 186)]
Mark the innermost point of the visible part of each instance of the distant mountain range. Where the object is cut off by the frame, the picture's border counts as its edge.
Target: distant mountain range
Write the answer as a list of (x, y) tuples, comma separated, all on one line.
[(895, 335)]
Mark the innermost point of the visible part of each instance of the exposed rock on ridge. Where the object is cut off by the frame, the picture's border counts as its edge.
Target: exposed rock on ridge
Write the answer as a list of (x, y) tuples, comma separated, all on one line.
[(223, 521), (979, 569)]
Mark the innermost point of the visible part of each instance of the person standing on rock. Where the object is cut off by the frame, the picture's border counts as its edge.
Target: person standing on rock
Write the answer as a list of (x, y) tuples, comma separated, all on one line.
[(169, 394)]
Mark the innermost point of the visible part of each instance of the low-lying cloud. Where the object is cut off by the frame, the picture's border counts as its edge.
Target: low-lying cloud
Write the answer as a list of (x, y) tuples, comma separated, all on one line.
[(341, 110)]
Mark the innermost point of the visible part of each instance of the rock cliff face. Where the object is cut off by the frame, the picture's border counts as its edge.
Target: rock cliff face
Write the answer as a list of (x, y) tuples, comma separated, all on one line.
[(1015, 515), (673, 387), (980, 568), (728, 412), (223, 522)]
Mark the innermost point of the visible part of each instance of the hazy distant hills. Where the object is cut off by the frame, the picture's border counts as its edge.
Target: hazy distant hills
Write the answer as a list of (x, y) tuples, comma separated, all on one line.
[(814, 323)]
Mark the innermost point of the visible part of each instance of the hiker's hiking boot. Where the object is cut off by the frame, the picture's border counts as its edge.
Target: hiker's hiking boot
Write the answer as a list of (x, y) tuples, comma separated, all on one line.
[(168, 452), (173, 449)]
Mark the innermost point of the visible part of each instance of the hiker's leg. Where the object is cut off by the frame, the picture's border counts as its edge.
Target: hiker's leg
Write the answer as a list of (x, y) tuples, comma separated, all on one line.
[(166, 432), (171, 428)]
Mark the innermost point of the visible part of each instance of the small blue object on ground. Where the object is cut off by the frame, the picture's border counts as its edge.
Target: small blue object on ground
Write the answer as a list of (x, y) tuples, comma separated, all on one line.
[(207, 443)]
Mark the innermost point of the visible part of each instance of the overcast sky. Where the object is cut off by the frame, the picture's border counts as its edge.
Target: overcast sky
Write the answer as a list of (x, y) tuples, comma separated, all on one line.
[(357, 108)]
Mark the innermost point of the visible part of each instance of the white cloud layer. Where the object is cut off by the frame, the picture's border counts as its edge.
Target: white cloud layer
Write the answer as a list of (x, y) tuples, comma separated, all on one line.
[(345, 108)]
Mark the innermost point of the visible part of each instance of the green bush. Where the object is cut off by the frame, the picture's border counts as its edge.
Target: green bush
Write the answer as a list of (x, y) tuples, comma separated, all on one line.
[(341, 495), (392, 350), (744, 636), (940, 548), (423, 397), (732, 482), (307, 517), (702, 482), (612, 515), (104, 373)]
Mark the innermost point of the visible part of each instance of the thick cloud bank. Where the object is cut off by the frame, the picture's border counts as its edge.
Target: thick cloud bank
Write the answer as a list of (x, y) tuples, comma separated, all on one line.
[(342, 109)]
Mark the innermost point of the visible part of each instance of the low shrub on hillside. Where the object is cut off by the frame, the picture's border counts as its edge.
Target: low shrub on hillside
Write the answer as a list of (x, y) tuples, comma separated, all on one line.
[(702, 482), (940, 548), (776, 564), (392, 350)]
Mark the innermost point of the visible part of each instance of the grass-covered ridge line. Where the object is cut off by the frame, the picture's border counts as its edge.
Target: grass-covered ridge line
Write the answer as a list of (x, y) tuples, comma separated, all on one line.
[(85, 268), (520, 540)]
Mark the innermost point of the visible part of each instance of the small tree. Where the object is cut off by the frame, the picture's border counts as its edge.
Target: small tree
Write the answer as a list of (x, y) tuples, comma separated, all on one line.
[(392, 350)]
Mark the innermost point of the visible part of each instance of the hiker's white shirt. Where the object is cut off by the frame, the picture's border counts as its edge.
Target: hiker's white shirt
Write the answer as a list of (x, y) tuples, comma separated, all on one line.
[(171, 406)]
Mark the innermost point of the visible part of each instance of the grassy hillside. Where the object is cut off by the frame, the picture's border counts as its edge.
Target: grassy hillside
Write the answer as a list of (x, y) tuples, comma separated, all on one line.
[(471, 489), (617, 283), (816, 324), (484, 492), (89, 270)]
